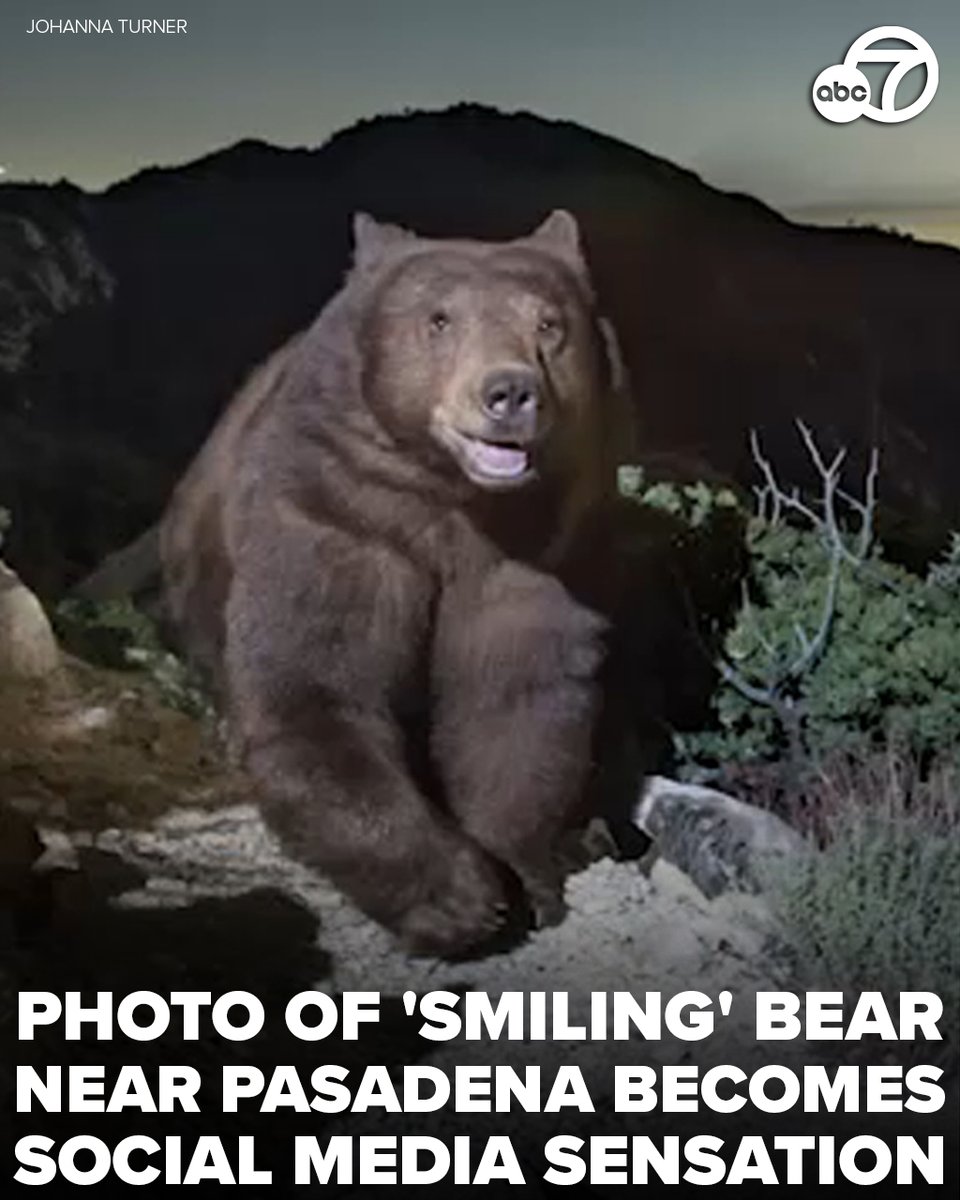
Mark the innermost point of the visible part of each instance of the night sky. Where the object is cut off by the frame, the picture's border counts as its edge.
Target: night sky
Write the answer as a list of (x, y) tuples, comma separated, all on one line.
[(721, 86)]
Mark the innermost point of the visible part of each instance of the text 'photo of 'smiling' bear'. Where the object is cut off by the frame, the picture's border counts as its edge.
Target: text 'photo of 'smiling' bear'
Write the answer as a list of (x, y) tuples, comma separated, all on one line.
[(394, 557)]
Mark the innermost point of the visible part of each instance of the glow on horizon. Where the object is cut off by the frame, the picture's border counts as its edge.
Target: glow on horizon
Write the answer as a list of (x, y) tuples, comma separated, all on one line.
[(936, 225)]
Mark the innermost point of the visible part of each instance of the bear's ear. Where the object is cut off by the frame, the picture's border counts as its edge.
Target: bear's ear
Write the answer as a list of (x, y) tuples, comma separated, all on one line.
[(372, 239), (560, 234)]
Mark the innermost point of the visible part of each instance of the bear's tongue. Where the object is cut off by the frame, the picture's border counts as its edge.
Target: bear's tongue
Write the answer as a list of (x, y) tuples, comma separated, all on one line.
[(503, 461)]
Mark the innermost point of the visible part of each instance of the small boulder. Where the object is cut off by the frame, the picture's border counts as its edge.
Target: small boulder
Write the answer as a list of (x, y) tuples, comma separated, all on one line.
[(721, 843), (28, 648)]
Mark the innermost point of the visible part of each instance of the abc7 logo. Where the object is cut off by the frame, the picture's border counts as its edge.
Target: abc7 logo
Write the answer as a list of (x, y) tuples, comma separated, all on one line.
[(841, 93)]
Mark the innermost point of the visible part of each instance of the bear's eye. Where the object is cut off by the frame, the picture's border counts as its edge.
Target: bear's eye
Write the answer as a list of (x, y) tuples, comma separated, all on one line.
[(549, 325), (439, 321)]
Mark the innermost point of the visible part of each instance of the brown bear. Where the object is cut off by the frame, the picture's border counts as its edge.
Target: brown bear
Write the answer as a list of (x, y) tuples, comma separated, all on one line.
[(390, 554)]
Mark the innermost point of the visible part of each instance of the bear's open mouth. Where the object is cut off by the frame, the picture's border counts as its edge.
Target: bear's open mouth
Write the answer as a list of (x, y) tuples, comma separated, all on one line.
[(501, 460), (490, 462)]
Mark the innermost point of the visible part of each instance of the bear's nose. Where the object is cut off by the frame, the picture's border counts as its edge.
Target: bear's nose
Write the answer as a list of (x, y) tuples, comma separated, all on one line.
[(510, 392)]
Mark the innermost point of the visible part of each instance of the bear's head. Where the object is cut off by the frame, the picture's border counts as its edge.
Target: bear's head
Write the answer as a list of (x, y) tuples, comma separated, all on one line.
[(488, 359)]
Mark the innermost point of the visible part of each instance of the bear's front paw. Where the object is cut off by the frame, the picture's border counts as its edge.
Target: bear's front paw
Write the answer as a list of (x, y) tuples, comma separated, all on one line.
[(470, 901)]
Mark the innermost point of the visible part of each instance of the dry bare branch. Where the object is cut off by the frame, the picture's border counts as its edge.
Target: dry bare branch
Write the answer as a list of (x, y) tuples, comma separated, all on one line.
[(772, 503)]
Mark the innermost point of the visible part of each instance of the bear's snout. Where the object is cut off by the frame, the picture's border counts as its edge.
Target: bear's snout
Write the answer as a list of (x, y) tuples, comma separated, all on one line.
[(511, 397)]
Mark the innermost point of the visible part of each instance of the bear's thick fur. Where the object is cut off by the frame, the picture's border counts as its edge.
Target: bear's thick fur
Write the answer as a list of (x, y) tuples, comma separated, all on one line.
[(390, 555)]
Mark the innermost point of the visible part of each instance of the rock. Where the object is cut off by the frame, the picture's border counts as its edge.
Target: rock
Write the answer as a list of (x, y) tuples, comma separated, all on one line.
[(79, 722), (721, 843), (28, 649)]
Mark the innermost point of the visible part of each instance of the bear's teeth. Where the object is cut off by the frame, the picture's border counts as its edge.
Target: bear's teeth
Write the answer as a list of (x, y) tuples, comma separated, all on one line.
[(506, 461)]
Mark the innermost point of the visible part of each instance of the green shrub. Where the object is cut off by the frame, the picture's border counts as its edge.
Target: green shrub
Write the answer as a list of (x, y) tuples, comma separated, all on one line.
[(694, 505), (834, 649), (838, 667), (889, 672), (690, 537), (118, 635), (877, 908), (945, 574)]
